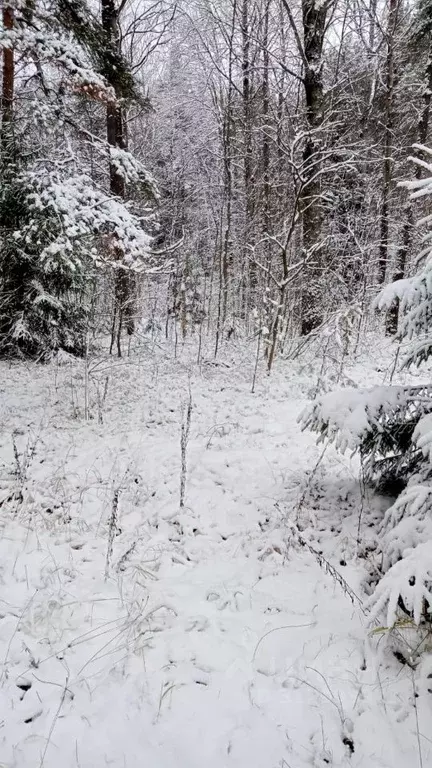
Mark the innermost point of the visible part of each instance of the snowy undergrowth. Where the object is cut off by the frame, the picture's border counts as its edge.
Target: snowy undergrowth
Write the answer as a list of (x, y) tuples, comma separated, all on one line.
[(134, 633)]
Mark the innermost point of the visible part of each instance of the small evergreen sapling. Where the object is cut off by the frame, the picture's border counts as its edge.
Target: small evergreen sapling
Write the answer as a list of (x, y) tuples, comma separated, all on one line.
[(391, 428)]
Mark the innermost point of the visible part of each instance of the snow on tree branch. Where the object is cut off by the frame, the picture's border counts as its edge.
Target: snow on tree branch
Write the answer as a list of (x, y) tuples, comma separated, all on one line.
[(406, 588), (133, 171), (66, 56), (407, 523), (349, 416), (82, 211)]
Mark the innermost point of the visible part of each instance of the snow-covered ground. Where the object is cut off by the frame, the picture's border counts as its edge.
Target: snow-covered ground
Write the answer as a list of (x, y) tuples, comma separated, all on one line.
[(134, 633)]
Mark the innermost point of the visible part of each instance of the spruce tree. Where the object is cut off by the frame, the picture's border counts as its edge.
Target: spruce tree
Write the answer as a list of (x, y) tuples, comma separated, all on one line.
[(391, 428), (59, 223)]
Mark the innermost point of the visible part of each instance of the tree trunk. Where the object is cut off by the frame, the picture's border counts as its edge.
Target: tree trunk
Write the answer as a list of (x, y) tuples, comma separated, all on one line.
[(247, 150), (281, 182), (124, 284), (372, 25), (228, 180), (388, 142), (8, 81), (314, 20), (265, 127)]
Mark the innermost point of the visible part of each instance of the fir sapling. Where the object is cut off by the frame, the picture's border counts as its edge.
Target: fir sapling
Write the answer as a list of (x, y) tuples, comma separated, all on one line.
[(391, 428)]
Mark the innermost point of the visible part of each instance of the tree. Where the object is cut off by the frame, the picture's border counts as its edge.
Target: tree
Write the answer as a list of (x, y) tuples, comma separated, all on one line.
[(391, 428), (8, 77), (420, 44), (314, 26), (116, 137), (58, 225), (281, 130), (390, 75)]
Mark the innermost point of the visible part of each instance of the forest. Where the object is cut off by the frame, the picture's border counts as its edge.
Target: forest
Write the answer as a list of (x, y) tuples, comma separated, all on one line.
[(215, 383)]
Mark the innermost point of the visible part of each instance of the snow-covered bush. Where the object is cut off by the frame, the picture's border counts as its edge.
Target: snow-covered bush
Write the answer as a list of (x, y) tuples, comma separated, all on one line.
[(391, 428)]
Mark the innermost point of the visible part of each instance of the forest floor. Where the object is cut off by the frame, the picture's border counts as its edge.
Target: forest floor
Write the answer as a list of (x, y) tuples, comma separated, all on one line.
[(137, 634)]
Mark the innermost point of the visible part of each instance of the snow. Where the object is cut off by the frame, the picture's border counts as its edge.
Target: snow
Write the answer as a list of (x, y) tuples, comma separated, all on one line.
[(150, 635), (399, 289), (65, 55), (423, 435), (347, 415), (81, 211), (410, 531), (130, 169), (409, 579)]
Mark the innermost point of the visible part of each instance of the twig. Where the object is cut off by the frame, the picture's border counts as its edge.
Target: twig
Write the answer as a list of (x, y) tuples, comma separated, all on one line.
[(417, 722), (63, 696), (276, 629), (185, 429), (112, 529), (326, 565), (362, 497), (310, 478)]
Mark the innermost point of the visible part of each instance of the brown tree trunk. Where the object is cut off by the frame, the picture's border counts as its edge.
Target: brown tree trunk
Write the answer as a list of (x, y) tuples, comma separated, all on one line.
[(314, 20), (116, 136)]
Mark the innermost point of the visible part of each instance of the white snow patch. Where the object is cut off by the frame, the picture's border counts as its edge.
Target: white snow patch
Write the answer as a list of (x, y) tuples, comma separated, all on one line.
[(150, 635)]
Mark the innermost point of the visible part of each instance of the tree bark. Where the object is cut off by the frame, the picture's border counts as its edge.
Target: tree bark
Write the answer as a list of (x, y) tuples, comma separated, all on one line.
[(228, 180), (248, 150), (372, 25), (116, 137), (314, 21), (265, 127), (383, 255), (8, 79)]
